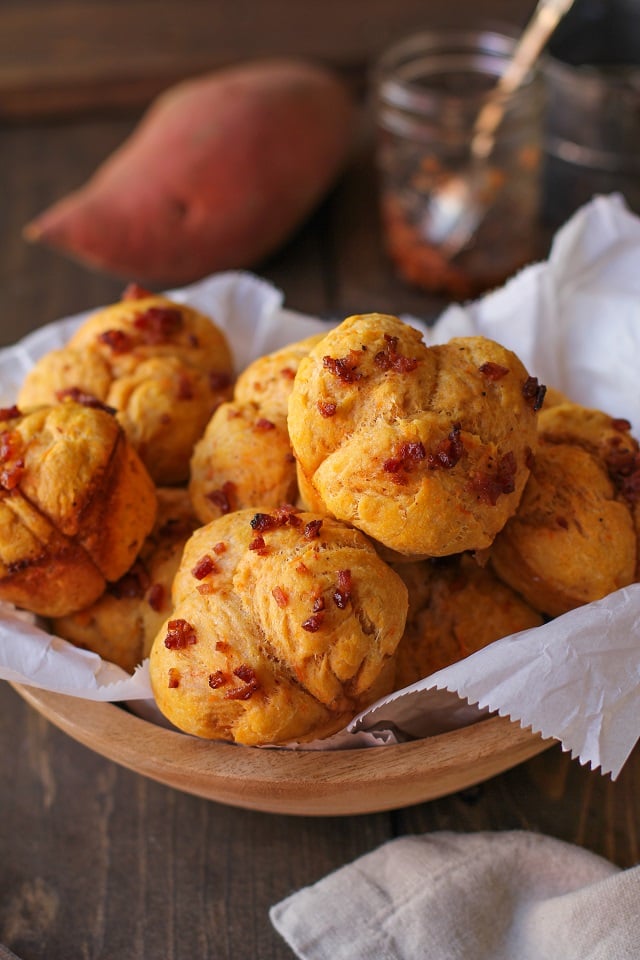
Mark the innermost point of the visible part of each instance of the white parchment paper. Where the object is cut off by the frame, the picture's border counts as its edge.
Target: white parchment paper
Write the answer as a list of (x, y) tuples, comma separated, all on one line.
[(574, 320)]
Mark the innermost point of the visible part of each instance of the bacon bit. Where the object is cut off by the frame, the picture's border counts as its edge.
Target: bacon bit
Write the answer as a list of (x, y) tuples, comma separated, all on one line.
[(259, 546), (219, 547), (312, 529), (533, 392), (180, 634), (448, 452), (280, 596), (489, 487), (263, 425), (389, 358), (318, 604), (218, 679), (204, 567), (313, 623), (11, 476), (134, 583), (251, 683), (206, 588), (283, 515), (155, 599), (116, 340), (617, 423), (174, 678), (493, 371), (10, 413), (11, 444), (263, 522), (344, 368), (342, 595), (218, 380), (159, 324), (84, 398), (409, 454), (288, 373), (302, 567), (327, 408), (223, 499), (133, 291), (222, 646), (185, 387)]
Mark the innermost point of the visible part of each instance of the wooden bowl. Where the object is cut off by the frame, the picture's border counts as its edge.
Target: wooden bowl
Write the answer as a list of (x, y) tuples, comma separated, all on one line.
[(307, 783)]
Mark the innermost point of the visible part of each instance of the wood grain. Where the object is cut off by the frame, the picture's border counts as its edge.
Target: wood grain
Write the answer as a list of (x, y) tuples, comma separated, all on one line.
[(98, 861), (70, 57)]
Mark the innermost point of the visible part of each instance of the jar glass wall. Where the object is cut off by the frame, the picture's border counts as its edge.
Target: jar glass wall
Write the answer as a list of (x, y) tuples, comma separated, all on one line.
[(429, 90)]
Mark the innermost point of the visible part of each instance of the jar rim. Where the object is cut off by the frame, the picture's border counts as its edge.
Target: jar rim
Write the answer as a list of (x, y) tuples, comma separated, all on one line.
[(437, 48)]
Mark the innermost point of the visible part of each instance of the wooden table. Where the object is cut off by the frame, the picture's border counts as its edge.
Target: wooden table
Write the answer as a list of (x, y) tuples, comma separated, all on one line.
[(97, 862)]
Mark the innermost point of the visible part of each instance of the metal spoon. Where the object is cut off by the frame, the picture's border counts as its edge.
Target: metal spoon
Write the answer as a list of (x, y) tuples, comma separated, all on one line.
[(458, 206)]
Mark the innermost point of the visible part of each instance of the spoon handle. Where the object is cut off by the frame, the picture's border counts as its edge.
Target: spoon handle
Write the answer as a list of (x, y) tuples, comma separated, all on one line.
[(543, 22)]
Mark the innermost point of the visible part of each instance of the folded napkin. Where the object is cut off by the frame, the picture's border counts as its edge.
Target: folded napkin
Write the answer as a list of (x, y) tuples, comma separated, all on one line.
[(482, 896)]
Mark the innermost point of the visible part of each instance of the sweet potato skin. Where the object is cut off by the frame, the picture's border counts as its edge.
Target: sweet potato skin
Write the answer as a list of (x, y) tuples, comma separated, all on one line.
[(217, 175)]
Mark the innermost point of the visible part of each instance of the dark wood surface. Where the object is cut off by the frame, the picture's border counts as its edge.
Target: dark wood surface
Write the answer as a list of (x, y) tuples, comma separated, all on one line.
[(97, 862)]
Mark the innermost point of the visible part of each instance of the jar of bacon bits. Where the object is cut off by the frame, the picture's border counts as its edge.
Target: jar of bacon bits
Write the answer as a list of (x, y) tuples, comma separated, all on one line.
[(429, 90)]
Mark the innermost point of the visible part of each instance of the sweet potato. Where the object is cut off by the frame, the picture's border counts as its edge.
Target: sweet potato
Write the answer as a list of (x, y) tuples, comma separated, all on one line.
[(218, 173)]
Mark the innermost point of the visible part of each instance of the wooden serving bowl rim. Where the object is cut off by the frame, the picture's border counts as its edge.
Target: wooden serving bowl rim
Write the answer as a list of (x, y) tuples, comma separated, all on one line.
[(299, 782)]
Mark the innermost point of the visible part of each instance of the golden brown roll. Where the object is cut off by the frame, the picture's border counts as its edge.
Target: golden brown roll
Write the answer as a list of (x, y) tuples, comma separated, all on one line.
[(121, 625), (243, 459), (75, 506), (455, 608), (572, 539), (162, 366), (426, 450), (268, 381), (284, 626)]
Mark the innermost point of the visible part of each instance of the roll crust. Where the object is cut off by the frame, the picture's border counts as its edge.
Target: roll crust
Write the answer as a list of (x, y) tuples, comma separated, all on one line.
[(284, 626)]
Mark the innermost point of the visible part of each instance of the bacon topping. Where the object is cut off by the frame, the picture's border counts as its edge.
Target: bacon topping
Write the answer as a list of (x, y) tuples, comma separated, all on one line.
[(204, 567), (223, 498), (448, 452), (409, 454), (288, 373), (490, 486), (133, 291), (263, 425), (250, 683), (314, 622), (219, 547), (158, 324), (389, 359), (344, 368), (116, 340), (11, 446), (312, 529), (180, 634), (493, 371), (10, 413), (174, 678), (84, 398), (342, 594), (327, 408), (218, 679), (533, 392), (259, 546), (280, 596)]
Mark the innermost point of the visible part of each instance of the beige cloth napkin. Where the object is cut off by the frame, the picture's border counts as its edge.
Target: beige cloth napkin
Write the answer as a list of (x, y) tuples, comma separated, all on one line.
[(480, 896)]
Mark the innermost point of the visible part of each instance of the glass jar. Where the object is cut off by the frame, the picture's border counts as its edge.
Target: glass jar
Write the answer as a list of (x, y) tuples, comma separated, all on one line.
[(429, 90)]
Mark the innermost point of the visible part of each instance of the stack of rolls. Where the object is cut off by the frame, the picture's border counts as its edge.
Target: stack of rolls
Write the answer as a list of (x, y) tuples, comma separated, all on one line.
[(356, 511)]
